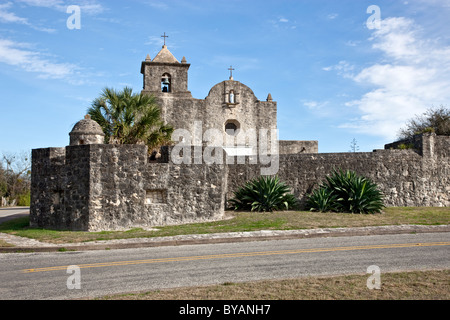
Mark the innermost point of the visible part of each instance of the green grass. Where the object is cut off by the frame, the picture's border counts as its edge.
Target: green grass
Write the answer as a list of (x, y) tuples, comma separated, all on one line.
[(244, 221)]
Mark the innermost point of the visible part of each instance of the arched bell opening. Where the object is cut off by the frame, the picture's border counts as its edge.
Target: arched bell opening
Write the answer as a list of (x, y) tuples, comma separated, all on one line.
[(166, 83)]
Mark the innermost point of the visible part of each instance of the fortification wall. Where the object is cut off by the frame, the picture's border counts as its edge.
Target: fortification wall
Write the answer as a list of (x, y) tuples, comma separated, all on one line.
[(47, 187), (406, 177), (298, 146), (114, 187)]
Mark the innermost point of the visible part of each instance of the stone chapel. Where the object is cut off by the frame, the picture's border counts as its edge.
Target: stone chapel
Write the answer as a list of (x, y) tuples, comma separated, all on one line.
[(92, 186), (230, 107)]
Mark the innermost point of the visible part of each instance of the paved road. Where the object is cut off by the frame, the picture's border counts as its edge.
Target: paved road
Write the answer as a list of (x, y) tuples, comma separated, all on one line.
[(13, 213), (44, 275)]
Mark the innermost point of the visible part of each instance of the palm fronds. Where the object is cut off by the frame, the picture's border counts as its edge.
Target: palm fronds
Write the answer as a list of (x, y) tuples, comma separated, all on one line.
[(128, 118)]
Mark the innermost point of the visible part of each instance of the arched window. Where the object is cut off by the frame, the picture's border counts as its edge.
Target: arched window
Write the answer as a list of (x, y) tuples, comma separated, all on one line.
[(166, 83)]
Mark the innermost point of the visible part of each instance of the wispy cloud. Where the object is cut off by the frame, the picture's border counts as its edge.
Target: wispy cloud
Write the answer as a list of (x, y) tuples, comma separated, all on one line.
[(9, 17), (412, 77), (92, 7), (157, 5), (332, 16), (282, 22), (15, 54), (154, 41), (343, 68), (319, 108)]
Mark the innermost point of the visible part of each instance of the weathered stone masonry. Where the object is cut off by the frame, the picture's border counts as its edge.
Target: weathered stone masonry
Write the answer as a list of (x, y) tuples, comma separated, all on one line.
[(413, 177), (92, 186), (114, 187)]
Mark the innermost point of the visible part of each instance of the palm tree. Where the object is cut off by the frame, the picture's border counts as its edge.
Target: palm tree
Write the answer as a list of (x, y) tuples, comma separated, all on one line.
[(128, 118)]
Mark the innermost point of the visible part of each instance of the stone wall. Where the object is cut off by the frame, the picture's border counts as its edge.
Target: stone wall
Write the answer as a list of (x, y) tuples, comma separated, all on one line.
[(116, 187), (47, 187), (406, 177), (294, 147)]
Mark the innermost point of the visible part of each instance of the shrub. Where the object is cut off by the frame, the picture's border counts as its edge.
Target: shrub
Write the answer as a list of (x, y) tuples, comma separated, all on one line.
[(264, 194), (404, 146), (345, 191), (23, 200)]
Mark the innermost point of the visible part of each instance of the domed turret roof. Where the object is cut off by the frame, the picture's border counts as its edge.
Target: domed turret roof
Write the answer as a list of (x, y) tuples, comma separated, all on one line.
[(87, 126)]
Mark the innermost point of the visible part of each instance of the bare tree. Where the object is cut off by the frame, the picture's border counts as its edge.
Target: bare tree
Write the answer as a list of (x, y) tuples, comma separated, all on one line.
[(15, 177), (435, 120)]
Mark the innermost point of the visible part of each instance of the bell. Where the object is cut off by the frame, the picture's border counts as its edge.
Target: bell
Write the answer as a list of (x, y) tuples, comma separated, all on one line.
[(165, 81)]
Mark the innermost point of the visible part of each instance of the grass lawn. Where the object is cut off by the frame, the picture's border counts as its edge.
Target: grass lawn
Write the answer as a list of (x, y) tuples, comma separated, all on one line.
[(416, 285), (244, 221)]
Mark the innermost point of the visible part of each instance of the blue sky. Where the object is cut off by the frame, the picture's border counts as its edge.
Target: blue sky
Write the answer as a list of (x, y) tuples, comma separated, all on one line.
[(334, 78)]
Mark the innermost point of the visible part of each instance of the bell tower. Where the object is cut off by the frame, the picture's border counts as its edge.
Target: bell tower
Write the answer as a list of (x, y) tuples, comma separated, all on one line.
[(165, 75)]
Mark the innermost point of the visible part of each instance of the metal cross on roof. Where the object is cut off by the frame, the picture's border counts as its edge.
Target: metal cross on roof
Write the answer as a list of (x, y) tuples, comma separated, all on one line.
[(164, 36), (231, 71)]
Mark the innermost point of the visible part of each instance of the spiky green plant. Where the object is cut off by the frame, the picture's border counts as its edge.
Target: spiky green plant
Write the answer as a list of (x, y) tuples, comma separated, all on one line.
[(323, 200), (346, 191), (264, 194)]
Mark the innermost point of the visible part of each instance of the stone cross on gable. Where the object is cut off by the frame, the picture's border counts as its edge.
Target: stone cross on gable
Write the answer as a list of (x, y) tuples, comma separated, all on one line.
[(231, 72)]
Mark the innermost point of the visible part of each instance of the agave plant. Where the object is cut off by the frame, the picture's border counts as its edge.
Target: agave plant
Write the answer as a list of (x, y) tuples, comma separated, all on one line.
[(264, 194), (323, 200), (345, 191)]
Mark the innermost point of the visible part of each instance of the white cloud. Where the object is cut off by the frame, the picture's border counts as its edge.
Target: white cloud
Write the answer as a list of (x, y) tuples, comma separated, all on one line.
[(42, 3), (10, 17), (311, 104), (332, 16), (86, 6), (343, 68), (283, 23), (438, 3), (320, 108), (412, 77), (154, 40), (14, 54)]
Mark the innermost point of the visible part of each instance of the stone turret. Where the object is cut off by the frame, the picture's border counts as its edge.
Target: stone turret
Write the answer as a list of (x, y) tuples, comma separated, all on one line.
[(86, 131)]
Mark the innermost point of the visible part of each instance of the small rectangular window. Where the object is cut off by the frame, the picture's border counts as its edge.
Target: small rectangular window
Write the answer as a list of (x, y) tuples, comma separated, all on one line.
[(155, 196)]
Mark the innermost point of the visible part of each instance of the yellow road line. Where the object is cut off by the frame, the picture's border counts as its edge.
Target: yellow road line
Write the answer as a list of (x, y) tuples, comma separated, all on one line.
[(237, 255)]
